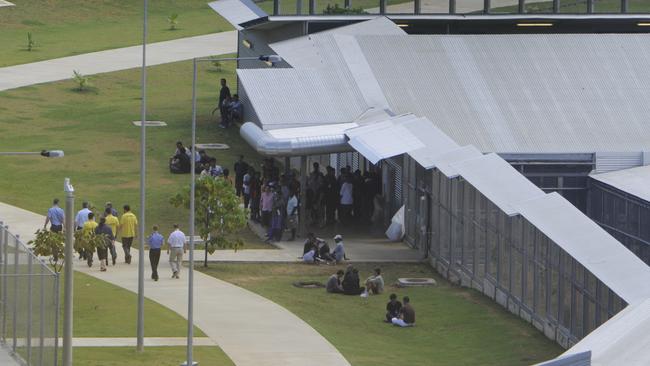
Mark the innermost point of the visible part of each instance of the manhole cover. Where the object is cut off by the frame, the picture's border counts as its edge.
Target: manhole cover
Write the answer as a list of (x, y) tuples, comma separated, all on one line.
[(212, 146), (150, 123), (410, 282), (308, 284)]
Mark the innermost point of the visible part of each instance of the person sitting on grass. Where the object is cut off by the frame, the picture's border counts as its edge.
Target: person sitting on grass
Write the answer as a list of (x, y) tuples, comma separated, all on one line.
[(310, 256), (235, 109), (407, 315), (351, 282), (339, 251), (310, 243), (180, 163), (393, 308), (324, 251), (334, 283), (375, 283)]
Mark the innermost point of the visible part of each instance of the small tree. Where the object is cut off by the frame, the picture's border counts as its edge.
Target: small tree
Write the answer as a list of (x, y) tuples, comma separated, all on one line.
[(51, 245), (81, 80), (30, 42), (88, 241), (217, 65), (218, 213), (173, 21)]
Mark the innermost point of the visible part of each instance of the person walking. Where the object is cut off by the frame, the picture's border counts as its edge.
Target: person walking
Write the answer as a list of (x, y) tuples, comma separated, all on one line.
[(109, 205), (102, 253), (113, 222), (128, 228), (80, 220), (155, 241), (176, 250), (55, 216), (89, 228), (241, 168), (224, 94)]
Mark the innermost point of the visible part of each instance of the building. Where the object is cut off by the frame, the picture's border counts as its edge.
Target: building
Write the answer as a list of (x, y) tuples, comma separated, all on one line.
[(487, 140)]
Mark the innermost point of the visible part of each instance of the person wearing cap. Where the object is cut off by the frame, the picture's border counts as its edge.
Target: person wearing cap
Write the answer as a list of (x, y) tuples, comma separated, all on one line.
[(339, 250)]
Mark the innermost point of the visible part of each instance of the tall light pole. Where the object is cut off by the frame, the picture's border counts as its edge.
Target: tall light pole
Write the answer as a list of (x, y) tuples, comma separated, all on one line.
[(190, 277), (68, 274), (44, 153), (143, 129)]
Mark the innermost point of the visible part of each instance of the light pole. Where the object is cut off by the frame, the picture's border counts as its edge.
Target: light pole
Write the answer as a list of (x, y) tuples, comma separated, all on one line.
[(68, 274), (190, 277), (143, 115), (44, 153)]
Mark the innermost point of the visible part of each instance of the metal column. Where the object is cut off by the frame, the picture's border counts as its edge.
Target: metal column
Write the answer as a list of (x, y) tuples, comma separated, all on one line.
[(452, 6), (312, 7), (522, 7), (68, 273), (486, 6), (276, 7), (382, 6), (304, 172)]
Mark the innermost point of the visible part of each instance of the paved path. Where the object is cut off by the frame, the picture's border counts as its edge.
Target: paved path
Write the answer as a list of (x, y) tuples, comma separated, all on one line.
[(117, 59), (250, 329), (6, 359)]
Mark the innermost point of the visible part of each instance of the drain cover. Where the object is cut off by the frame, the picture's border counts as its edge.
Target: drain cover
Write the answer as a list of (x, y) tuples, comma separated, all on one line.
[(411, 282), (213, 146), (150, 123)]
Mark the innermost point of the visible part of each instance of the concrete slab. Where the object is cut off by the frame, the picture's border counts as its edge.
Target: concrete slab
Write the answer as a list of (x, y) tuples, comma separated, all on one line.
[(6, 359), (250, 329), (118, 59)]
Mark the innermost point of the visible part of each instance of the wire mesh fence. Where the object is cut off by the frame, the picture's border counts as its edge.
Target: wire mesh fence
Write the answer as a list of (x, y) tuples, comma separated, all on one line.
[(29, 303)]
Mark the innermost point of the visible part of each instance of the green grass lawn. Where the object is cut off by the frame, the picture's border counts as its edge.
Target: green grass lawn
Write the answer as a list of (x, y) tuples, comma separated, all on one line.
[(68, 27), (158, 356), (102, 309), (454, 326), (288, 7), (101, 145)]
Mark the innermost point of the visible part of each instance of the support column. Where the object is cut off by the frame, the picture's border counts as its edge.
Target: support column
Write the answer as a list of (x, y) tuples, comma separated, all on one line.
[(304, 174)]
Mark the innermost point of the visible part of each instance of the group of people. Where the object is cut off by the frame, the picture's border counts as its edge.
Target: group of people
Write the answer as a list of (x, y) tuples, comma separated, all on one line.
[(347, 283), (181, 162), (349, 197), (230, 106), (316, 250), (126, 226)]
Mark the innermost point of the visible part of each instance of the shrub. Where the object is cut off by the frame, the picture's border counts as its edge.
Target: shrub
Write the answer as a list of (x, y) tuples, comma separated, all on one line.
[(30, 42), (173, 21), (336, 9), (82, 81)]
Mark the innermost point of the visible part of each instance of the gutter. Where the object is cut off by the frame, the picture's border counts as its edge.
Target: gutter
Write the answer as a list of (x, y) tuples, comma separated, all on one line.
[(265, 144)]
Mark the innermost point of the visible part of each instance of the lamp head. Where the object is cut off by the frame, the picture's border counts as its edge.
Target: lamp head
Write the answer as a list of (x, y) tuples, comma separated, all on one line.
[(52, 154)]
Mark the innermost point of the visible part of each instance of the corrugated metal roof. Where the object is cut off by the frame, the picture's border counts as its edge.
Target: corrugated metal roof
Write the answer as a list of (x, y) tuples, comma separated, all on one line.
[(612, 263), (521, 93), (444, 161), (382, 140), (284, 98), (634, 181), (498, 181), (303, 52), (622, 340), (237, 12)]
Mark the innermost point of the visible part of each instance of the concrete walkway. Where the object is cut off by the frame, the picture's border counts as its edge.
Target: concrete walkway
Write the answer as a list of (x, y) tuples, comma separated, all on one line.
[(117, 59), (6, 359), (250, 329)]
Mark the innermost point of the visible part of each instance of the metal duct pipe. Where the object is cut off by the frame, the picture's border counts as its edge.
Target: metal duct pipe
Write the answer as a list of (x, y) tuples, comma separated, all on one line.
[(267, 145)]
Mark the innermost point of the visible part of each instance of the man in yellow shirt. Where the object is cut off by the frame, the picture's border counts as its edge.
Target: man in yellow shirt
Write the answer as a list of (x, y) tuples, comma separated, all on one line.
[(113, 223), (89, 228), (128, 228)]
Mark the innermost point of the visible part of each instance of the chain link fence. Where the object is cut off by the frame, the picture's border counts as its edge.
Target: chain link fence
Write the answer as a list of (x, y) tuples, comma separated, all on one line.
[(29, 303)]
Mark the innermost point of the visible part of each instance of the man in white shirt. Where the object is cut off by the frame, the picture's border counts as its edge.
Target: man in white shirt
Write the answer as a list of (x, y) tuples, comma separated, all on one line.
[(292, 214), (345, 209), (176, 250), (82, 216)]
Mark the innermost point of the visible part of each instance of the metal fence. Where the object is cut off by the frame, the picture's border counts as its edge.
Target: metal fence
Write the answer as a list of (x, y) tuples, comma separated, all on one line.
[(470, 240), (29, 303)]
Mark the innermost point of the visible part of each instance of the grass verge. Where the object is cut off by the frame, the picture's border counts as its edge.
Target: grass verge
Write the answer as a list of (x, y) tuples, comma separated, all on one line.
[(68, 27), (159, 356), (455, 326)]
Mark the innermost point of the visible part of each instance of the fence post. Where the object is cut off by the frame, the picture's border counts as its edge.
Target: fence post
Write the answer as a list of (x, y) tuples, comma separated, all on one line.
[(57, 306), (2, 264), (41, 342), (5, 240), (15, 309), (29, 308)]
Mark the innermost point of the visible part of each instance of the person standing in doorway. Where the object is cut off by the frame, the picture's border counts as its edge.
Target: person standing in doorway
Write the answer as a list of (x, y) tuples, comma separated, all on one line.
[(345, 209), (128, 228), (241, 168), (176, 250), (155, 241), (224, 94), (55, 216)]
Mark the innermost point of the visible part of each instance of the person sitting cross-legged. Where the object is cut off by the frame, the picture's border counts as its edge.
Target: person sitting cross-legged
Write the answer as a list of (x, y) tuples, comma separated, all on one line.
[(334, 283), (407, 315), (393, 308), (375, 283)]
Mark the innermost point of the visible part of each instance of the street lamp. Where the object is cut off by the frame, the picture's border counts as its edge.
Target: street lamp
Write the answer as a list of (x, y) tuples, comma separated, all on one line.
[(68, 274), (190, 292), (44, 153)]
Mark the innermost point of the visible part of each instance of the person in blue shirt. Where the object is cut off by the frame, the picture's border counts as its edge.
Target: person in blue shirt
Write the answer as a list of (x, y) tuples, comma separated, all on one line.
[(155, 242), (55, 216)]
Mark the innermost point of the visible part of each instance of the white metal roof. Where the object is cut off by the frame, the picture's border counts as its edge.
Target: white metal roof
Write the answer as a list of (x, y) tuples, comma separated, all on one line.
[(612, 263), (521, 93), (498, 181), (237, 12), (312, 131), (304, 52), (635, 181), (444, 161), (382, 140), (622, 340)]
